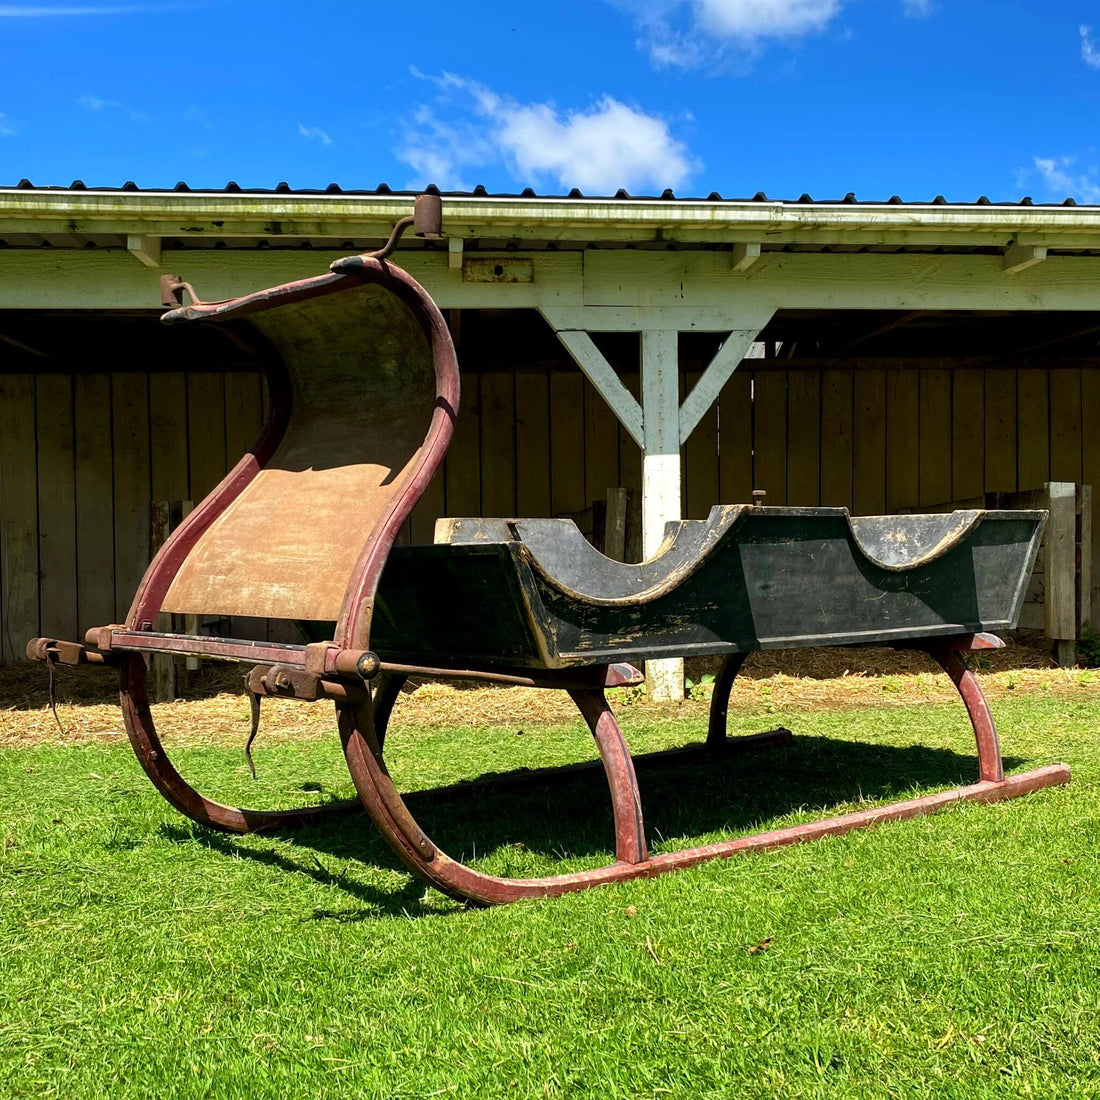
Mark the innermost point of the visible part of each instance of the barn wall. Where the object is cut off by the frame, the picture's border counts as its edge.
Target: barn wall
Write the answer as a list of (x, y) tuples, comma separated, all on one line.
[(82, 455)]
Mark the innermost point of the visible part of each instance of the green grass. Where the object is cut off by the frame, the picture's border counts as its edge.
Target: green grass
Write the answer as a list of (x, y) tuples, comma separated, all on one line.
[(951, 956)]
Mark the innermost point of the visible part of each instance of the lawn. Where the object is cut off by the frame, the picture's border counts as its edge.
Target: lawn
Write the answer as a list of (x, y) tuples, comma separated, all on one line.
[(951, 956)]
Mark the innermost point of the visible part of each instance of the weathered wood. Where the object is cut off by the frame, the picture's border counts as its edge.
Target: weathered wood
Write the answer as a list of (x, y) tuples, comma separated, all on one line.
[(601, 446), (1084, 558), (602, 375), (869, 444), (1019, 257), (935, 436), (94, 548), (614, 539), (1065, 425), (205, 431), (1033, 431), (705, 389), (902, 439), (700, 462), (1000, 431), (804, 439), (130, 471), (18, 516), (567, 493), (498, 445), (1061, 601), (1090, 473), (770, 436), (837, 442), (967, 433), (533, 444), (735, 440), (57, 596), (462, 466), (168, 432)]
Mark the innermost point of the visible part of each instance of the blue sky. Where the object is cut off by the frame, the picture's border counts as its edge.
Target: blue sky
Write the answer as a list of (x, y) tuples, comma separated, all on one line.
[(879, 97)]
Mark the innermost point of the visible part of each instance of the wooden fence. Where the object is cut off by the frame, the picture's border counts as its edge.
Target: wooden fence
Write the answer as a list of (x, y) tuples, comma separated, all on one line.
[(83, 455)]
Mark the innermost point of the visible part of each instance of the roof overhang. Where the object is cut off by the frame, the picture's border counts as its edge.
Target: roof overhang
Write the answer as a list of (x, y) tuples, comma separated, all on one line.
[(193, 215)]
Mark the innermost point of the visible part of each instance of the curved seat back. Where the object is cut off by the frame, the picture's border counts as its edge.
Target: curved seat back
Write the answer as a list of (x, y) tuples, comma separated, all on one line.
[(365, 391)]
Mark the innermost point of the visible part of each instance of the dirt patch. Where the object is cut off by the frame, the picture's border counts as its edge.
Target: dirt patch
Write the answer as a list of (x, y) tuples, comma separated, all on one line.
[(216, 711)]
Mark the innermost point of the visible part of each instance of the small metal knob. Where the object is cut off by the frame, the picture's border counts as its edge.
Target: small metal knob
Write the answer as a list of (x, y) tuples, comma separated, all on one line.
[(758, 496), (368, 666)]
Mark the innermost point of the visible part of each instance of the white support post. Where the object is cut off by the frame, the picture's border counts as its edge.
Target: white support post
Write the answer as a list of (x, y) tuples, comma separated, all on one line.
[(602, 375), (661, 474), (454, 253)]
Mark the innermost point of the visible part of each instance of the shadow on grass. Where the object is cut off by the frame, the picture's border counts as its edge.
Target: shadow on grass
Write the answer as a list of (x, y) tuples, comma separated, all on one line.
[(561, 817)]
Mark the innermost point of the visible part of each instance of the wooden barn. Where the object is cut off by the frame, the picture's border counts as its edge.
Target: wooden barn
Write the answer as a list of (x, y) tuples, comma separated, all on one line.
[(882, 356)]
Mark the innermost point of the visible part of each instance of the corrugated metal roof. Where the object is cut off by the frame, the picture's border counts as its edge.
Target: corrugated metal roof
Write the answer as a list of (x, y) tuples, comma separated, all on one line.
[(479, 192)]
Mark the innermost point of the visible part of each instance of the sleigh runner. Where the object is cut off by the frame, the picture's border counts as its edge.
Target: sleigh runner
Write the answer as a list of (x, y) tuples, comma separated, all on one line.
[(364, 384)]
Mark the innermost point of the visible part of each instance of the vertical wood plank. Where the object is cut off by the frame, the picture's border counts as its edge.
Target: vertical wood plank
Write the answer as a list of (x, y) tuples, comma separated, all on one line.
[(804, 437), (967, 434), (205, 431), (735, 439), (1090, 473), (244, 413), (902, 439), (837, 443), (57, 599), (630, 454), (769, 434), (462, 476), (1065, 425), (601, 446), (130, 469), (533, 444), (566, 442), (701, 461), (498, 443), (1060, 545), (1000, 431), (18, 516), (168, 435), (869, 443), (1033, 428), (935, 436), (95, 542)]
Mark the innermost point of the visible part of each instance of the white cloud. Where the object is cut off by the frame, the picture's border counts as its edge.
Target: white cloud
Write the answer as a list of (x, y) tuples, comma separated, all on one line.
[(749, 20), (696, 33), (6, 129), (314, 133), (599, 149), (1061, 178), (1089, 52), (99, 106), (94, 103)]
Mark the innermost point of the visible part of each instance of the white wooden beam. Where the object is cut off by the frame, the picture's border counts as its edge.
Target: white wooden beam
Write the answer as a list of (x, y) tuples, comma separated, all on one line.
[(705, 392), (661, 474), (454, 253), (1019, 257), (745, 254), (146, 249), (602, 375)]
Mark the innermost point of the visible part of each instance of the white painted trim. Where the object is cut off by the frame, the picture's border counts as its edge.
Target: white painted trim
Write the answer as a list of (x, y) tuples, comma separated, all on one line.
[(454, 253), (705, 392), (146, 249), (601, 374), (744, 255), (1019, 257)]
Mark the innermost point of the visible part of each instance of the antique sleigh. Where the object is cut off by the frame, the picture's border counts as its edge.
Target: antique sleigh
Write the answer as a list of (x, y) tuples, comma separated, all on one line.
[(364, 389)]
